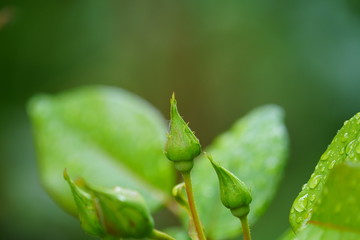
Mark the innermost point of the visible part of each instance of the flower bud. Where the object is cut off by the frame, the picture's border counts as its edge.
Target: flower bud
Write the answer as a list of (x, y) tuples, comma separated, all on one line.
[(182, 146), (234, 194), (115, 213)]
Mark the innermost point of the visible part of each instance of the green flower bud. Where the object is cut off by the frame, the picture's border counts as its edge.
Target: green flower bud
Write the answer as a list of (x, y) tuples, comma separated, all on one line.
[(87, 209), (116, 213), (234, 194), (182, 146)]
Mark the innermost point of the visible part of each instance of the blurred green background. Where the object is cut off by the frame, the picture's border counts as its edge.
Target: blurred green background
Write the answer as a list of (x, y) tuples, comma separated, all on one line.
[(222, 58)]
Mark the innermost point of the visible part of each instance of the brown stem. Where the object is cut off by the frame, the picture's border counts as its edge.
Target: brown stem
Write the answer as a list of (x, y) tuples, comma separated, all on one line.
[(245, 228)]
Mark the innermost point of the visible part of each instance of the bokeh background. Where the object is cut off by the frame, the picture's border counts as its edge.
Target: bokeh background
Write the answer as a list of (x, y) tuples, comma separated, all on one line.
[(222, 58)]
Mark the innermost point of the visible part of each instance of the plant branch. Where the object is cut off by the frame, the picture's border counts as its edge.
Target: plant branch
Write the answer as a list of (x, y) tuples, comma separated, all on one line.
[(194, 213), (245, 228)]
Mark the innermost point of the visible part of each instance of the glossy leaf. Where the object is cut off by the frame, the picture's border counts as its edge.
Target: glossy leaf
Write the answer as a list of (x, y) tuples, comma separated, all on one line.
[(336, 212), (254, 150), (287, 235), (344, 147), (106, 135)]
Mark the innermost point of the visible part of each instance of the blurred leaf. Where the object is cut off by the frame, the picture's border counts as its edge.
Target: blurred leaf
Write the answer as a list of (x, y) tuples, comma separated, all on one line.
[(254, 150), (344, 147), (314, 232), (336, 212), (287, 235), (106, 135)]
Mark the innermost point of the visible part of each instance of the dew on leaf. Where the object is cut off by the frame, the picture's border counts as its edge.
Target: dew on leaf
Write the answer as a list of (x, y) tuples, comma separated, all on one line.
[(358, 149), (325, 156), (342, 151), (312, 197), (332, 164), (301, 203), (344, 137), (314, 181), (349, 147)]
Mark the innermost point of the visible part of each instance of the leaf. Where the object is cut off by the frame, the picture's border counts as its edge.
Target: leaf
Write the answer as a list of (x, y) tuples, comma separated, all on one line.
[(336, 213), (344, 147), (254, 150), (104, 134), (287, 235)]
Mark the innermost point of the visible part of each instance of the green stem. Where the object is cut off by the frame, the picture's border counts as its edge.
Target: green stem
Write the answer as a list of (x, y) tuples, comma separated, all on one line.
[(158, 235), (194, 213), (245, 228)]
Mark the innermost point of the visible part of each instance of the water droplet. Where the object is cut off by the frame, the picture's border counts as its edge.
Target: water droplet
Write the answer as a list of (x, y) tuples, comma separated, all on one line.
[(298, 220), (304, 186), (301, 203), (332, 164), (312, 197), (358, 149), (357, 116), (325, 156), (342, 151), (349, 147), (346, 122), (314, 181), (344, 137)]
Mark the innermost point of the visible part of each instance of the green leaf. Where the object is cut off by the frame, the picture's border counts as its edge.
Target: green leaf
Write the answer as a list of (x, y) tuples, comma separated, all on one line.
[(287, 235), (254, 150), (344, 147), (104, 134), (336, 213)]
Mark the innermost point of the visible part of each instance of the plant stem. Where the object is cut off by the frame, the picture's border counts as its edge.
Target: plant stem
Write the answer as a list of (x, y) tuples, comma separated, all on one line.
[(194, 213), (158, 235), (245, 228)]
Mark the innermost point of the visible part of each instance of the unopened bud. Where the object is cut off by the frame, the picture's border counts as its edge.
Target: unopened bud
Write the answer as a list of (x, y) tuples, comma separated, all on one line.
[(117, 213), (182, 146), (234, 194)]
